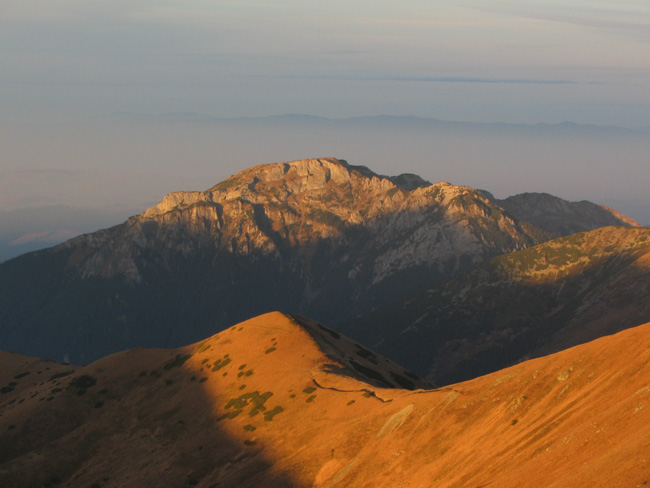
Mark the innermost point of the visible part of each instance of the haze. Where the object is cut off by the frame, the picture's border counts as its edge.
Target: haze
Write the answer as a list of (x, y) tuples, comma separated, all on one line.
[(84, 89)]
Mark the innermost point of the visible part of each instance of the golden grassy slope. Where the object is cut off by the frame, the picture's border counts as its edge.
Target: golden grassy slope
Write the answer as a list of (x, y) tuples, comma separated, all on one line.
[(260, 404)]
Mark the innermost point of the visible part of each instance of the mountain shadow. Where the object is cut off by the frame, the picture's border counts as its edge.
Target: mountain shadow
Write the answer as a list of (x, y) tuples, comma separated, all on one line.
[(133, 419)]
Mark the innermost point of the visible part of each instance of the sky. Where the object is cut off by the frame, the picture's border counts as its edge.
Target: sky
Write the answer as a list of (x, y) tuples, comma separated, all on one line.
[(499, 61), (68, 67)]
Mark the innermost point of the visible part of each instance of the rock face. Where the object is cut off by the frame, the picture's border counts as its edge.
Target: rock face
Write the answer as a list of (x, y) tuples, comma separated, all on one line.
[(560, 216), (318, 237), (525, 304), (278, 401), (287, 210)]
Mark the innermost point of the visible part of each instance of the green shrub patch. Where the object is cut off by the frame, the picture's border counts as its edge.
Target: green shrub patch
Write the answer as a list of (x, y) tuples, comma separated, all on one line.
[(220, 363)]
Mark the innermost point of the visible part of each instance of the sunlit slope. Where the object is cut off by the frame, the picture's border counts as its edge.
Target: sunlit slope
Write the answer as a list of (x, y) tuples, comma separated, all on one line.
[(172, 417), (281, 401), (521, 305)]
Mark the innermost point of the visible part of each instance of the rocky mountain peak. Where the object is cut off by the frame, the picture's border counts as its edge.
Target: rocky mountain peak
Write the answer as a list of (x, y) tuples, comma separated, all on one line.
[(297, 176), (277, 182), (307, 180), (286, 209), (318, 237)]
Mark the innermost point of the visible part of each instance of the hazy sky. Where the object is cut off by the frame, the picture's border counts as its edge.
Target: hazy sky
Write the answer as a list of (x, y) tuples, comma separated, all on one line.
[(67, 66), (587, 61)]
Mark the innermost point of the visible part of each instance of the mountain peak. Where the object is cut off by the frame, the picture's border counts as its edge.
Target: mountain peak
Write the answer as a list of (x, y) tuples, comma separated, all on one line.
[(310, 172), (318, 236), (560, 216), (315, 173)]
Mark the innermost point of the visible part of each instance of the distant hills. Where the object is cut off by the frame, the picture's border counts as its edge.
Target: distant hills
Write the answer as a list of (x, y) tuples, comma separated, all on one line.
[(280, 401), (318, 237), (406, 121)]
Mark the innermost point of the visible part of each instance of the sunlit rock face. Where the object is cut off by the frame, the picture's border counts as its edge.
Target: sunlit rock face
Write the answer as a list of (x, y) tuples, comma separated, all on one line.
[(283, 210), (319, 237)]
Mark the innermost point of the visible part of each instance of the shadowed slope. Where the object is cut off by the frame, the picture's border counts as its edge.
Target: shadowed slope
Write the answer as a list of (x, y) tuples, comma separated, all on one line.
[(135, 419), (259, 405), (562, 217), (521, 305)]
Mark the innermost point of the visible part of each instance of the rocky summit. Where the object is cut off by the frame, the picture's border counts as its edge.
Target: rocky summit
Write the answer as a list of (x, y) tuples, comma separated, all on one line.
[(319, 237)]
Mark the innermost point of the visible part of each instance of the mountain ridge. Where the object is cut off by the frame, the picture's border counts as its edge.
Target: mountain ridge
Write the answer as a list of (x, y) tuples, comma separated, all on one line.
[(260, 404)]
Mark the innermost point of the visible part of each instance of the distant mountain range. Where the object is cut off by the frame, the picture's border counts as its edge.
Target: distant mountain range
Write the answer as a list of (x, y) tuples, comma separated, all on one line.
[(318, 237), (406, 121), (281, 401)]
